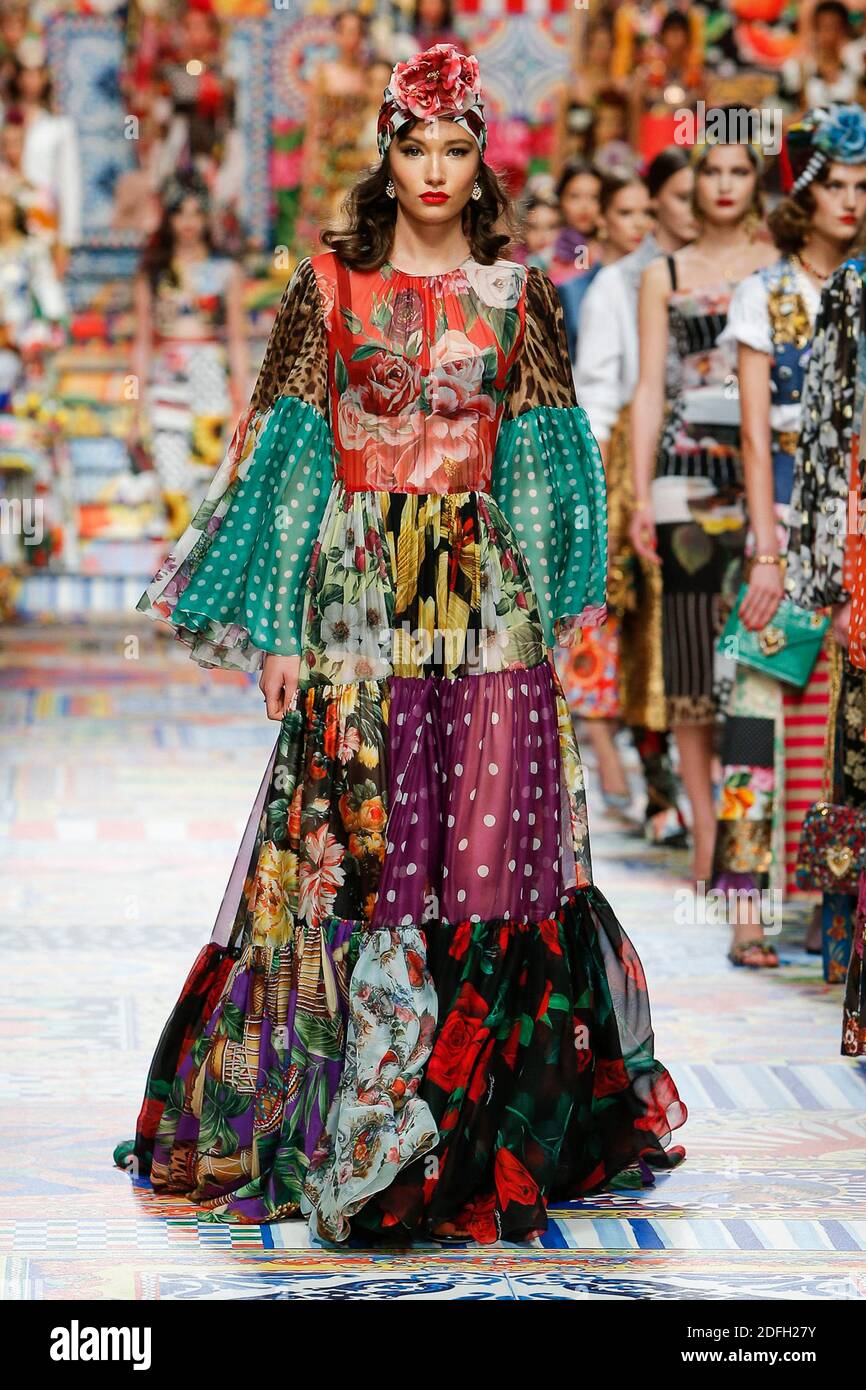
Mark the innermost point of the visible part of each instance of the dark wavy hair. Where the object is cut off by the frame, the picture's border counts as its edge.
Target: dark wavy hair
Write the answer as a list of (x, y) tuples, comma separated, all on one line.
[(364, 241), (158, 252), (791, 219)]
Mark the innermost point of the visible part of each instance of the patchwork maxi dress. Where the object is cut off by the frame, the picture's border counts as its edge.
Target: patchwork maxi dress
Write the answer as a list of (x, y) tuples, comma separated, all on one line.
[(415, 1007)]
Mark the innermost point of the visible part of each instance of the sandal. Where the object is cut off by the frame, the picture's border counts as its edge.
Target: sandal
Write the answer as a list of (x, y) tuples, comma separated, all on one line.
[(740, 950)]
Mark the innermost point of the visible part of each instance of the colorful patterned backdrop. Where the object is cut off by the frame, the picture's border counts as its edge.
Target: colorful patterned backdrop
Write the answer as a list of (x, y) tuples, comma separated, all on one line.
[(523, 59), (523, 47), (85, 54)]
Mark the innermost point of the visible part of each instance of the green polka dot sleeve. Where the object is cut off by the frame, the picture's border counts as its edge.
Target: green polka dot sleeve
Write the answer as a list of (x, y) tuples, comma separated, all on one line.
[(233, 586), (240, 589), (548, 481)]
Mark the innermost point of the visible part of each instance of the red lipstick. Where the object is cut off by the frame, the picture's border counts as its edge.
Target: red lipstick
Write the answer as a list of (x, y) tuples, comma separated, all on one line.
[(434, 197)]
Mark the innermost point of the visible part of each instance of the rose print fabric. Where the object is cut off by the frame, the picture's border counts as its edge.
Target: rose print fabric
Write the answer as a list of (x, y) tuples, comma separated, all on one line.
[(415, 411), (532, 1075), (414, 506), (440, 83)]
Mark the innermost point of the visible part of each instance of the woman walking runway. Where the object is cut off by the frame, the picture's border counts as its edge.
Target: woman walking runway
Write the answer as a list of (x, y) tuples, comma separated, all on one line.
[(417, 1012)]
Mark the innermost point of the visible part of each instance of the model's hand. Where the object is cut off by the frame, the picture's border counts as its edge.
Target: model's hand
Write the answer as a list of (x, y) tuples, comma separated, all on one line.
[(278, 682), (642, 533), (763, 596), (840, 623)]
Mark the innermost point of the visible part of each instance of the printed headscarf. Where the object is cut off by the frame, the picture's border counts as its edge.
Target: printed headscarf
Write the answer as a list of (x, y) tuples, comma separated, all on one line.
[(833, 134), (439, 84)]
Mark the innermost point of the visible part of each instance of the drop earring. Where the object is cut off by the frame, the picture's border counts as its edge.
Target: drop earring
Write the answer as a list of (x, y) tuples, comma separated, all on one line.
[(476, 190), (390, 189)]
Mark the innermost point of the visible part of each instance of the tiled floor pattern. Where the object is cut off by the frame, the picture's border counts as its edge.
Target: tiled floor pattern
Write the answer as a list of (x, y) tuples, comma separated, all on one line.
[(127, 777)]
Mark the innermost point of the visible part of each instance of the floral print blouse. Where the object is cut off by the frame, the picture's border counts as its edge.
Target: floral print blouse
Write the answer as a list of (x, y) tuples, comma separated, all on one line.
[(197, 308), (826, 467), (415, 411), (392, 382)]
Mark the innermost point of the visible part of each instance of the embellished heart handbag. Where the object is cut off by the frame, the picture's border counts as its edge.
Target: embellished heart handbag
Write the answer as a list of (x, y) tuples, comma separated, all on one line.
[(787, 648), (832, 848)]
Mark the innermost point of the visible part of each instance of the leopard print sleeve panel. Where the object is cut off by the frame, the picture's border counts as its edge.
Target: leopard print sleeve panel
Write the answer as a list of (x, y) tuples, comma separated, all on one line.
[(296, 358), (548, 478), (542, 374)]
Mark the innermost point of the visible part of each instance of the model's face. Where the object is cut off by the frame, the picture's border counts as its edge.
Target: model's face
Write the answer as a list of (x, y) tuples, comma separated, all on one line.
[(188, 223), (627, 219), (13, 27), (541, 228), (726, 185), (33, 81), (432, 13), (599, 48), (433, 168), (675, 43), (350, 32), (829, 35), (610, 124), (673, 206), (580, 203), (840, 202), (198, 33)]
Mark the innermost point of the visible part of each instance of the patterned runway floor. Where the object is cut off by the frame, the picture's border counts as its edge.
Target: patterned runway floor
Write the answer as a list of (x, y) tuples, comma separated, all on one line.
[(127, 777)]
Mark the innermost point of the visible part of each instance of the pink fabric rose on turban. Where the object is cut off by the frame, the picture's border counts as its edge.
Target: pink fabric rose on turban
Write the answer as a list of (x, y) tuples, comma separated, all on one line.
[(440, 82)]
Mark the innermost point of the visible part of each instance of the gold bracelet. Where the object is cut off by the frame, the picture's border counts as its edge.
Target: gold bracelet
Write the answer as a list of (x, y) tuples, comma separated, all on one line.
[(766, 560)]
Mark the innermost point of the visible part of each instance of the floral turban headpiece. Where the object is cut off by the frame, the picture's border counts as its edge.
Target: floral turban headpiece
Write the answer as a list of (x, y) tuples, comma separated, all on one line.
[(833, 134), (700, 150), (439, 84)]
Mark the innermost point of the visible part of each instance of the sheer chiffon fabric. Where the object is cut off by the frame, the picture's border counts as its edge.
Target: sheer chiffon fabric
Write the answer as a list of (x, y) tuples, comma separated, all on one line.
[(415, 1002)]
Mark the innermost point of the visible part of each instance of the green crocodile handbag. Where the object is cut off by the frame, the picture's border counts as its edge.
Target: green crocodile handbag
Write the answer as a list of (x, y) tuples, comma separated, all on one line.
[(787, 648)]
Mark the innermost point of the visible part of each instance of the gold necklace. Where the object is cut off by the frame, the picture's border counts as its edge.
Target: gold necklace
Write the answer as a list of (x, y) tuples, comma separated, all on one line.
[(727, 274)]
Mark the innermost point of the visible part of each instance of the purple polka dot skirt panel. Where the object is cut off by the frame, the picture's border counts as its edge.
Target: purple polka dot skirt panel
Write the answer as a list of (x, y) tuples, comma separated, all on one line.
[(474, 819)]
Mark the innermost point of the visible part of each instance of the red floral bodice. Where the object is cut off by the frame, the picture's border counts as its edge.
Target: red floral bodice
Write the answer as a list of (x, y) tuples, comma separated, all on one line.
[(417, 371)]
